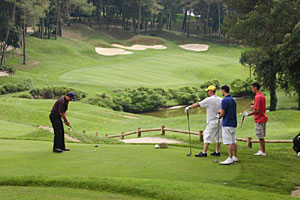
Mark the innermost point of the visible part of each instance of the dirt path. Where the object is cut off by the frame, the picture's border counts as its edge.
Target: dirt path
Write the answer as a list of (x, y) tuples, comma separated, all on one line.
[(296, 193), (151, 140), (66, 135), (4, 74)]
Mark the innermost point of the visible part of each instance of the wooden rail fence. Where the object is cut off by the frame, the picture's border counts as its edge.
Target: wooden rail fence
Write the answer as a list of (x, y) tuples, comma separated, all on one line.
[(163, 130)]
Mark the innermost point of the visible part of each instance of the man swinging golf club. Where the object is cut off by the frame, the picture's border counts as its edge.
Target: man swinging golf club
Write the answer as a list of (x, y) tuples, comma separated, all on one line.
[(59, 110), (260, 117), (212, 105), (229, 124)]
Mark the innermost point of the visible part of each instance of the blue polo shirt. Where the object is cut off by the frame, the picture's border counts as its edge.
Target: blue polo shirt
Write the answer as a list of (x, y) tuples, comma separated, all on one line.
[(229, 105)]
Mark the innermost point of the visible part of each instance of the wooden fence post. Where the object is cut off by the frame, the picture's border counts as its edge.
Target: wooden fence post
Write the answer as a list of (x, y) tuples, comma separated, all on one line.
[(139, 133), (201, 136), (122, 136), (163, 132), (249, 142)]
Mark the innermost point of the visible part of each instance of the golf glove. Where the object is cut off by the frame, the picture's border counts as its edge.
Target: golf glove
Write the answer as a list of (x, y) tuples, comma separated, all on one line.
[(187, 109), (218, 116), (245, 114)]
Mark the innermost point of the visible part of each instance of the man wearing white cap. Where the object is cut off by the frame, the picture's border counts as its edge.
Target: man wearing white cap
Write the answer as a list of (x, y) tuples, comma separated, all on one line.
[(212, 105)]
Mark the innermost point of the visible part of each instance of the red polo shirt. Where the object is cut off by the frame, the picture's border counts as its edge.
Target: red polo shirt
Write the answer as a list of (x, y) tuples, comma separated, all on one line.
[(260, 105)]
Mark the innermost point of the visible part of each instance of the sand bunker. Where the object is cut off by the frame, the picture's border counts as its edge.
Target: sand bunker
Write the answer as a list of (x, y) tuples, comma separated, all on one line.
[(111, 51), (4, 74), (195, 47), (151, 140), (140, 47)]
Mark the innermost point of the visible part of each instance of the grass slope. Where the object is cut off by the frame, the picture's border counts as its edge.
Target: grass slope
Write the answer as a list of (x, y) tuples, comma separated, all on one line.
[(132, 171)]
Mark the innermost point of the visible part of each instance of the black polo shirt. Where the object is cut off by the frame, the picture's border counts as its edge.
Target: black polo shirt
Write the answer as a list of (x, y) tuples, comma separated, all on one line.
[(60, 106)]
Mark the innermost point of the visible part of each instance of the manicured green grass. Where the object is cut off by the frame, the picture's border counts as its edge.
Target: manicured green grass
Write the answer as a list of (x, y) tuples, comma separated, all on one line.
[(33, 193), (123, 171), (145, 171)]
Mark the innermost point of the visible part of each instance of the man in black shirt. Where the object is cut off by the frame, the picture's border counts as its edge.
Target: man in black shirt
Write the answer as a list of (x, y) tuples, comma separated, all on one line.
[(59, 111)]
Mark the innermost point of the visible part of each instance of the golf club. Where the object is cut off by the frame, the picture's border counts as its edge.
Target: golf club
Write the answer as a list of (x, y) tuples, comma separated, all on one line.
[(188, 118), (85, 138), (242, 122), (218, 140)]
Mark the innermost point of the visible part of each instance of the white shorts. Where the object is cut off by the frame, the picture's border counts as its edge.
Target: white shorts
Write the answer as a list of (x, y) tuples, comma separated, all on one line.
[(228, 134), (211, 132)]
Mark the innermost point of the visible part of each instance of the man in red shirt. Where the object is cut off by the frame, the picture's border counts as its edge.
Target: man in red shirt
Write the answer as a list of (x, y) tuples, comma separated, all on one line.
[(260, 117)]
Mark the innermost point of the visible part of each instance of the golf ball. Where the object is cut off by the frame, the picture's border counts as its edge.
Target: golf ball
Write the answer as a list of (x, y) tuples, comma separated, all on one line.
[(156, 146), (95, 150), (299, 154)]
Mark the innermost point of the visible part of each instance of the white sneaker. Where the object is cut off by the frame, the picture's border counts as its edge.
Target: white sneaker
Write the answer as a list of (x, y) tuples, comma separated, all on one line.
[(228, 161), (234, 159), (260, 153)]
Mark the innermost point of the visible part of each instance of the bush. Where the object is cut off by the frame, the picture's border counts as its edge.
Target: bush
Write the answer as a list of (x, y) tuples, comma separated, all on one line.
[(132, 100), (55, 92), (145, 99), (24, 96), (241, 88), (189, 95), (215, 83), (9, 69), (19, 87)]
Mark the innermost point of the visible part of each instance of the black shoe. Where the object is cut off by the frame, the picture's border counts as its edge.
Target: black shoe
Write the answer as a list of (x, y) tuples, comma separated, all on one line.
[(58, 151), (65, 149), (215, 154), (201, 154)]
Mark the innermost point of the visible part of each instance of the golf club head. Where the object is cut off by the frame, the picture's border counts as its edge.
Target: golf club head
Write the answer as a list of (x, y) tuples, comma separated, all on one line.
[(189, 154)]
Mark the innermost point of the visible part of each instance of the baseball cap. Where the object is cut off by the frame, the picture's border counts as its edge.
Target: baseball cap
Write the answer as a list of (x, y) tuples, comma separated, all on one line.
[(211, 87), (72, 95)]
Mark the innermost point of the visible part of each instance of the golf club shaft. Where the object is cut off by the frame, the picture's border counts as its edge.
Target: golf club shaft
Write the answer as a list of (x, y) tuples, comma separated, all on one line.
[(85, 138), (188, 118)]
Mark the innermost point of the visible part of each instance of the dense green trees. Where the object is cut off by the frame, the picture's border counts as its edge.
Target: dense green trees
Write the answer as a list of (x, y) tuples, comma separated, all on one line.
[(263, 25)]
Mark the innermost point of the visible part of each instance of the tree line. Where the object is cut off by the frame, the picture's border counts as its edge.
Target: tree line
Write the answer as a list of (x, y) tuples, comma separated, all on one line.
[(138, 15), (272, 29)]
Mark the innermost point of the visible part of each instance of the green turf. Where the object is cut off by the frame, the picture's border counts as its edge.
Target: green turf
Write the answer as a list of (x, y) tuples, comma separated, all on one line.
[(34, 193), (120, 171)]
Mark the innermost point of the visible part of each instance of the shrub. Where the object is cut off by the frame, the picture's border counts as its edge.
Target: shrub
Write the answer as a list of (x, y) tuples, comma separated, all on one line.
[(19, 87), (55, 92), (132, 100), (241, 88), (9, 69), (215, 83), (24, 96)]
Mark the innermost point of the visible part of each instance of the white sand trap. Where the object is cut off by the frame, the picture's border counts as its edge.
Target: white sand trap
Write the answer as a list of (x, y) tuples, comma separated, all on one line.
[(195, 47), (111, 51), (140, 47), (151, 140), (4, 74)]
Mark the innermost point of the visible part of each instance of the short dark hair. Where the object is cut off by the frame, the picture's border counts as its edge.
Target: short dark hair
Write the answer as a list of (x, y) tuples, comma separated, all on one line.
[(226, 88), (256, 84)]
